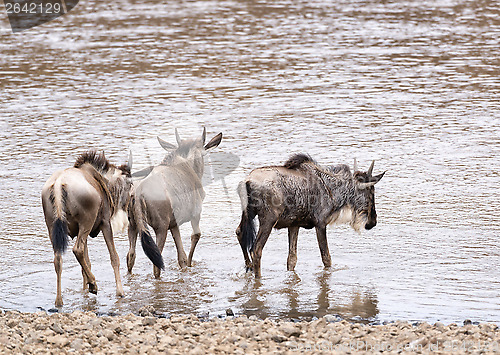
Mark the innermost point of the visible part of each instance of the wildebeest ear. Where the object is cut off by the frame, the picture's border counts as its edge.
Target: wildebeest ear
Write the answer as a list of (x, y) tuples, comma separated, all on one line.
[(214, 142), (143, 172), (372, 181), (166, 145), (377, 178)]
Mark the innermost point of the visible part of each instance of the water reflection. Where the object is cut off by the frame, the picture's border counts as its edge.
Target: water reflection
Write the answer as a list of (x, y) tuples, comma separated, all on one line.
[(298, 300), (291, 295)]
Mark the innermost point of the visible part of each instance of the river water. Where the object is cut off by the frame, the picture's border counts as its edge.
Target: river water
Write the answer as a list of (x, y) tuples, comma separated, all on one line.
[(412, 84)]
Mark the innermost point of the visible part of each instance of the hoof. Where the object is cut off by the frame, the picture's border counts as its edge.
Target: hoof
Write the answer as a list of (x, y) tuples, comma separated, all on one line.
[(93, 288), (156, 273)]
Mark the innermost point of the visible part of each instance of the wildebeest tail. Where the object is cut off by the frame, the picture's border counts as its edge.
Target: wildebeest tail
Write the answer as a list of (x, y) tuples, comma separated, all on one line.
[(247, 226), (148, 245), (59, 238), (151, 249)]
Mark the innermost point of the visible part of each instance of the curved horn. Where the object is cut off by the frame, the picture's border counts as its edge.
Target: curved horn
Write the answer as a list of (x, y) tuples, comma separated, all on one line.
[(129, 162), (204, 135), (370, 170), (365, 185), (177, 137), (355, 168)]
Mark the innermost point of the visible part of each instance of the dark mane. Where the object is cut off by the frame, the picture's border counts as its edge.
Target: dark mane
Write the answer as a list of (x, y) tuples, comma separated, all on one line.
[(94, 158), (336, 169), (125, 170), (296, 160), (169, 158)]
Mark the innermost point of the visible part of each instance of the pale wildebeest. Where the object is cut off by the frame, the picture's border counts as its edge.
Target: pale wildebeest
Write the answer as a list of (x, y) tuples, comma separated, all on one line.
[(301, 193), (82, 201), (171, 195)]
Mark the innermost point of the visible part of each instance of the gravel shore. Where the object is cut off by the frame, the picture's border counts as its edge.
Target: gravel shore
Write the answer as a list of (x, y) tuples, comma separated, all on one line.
[(86, 333)]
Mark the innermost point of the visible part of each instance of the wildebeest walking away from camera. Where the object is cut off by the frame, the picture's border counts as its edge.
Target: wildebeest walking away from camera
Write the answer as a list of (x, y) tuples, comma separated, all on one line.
[(302, 193), (171, 195), (82, 201)]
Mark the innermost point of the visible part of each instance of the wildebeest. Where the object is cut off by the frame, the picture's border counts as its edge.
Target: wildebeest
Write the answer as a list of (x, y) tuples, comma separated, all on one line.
[(171, 195), (82, 201), (302, 193)]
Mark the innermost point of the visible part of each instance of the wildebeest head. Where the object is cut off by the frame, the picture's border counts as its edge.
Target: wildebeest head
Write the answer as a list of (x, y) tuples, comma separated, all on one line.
[(193, 150), (365, 201), (120, 185)]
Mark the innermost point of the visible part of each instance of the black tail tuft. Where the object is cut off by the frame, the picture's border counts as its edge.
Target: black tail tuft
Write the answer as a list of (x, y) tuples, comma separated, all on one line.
[(60, 238), (151, 249), (248, 231)]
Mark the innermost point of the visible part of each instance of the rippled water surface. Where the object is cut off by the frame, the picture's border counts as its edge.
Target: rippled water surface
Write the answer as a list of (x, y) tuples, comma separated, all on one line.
[(412, 84)]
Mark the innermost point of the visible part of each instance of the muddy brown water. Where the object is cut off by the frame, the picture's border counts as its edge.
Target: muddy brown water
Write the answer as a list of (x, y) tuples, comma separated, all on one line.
[(414, 85)]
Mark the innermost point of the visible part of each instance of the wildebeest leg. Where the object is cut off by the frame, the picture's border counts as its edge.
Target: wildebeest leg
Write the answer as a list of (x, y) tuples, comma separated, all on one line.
[(161, 237), (323, 246), (58, 267), (181, 255), (195, 237), (87, 259), (293, 233), (113, 256), (79, 251), (132, 240), (265, 228)]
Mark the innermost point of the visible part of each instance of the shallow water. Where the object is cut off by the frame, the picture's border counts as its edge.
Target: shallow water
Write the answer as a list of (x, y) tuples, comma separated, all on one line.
[(411, 84)]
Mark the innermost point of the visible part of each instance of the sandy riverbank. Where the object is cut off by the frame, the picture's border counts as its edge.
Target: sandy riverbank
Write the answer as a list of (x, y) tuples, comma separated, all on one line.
[(85, 332)]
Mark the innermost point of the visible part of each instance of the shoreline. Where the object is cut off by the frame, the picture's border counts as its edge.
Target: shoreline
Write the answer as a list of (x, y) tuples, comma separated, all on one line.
[(82, 332)]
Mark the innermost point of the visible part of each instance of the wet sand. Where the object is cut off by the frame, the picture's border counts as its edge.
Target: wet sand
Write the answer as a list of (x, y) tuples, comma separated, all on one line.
[(85, 332)]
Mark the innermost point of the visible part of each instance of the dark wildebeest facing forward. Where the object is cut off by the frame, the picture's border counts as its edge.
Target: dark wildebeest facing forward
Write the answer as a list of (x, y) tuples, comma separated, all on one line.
[(171, 195), (82, 201), (303, 194)]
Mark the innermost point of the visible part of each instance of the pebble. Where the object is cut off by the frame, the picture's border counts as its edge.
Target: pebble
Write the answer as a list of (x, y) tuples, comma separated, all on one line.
[(86, 333), (57, 328), (148, 321), (290, 330), (331, 318), (229, 312)]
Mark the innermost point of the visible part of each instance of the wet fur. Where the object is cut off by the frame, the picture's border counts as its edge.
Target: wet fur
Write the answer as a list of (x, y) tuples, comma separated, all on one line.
[(80, 201), (302, 193)]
